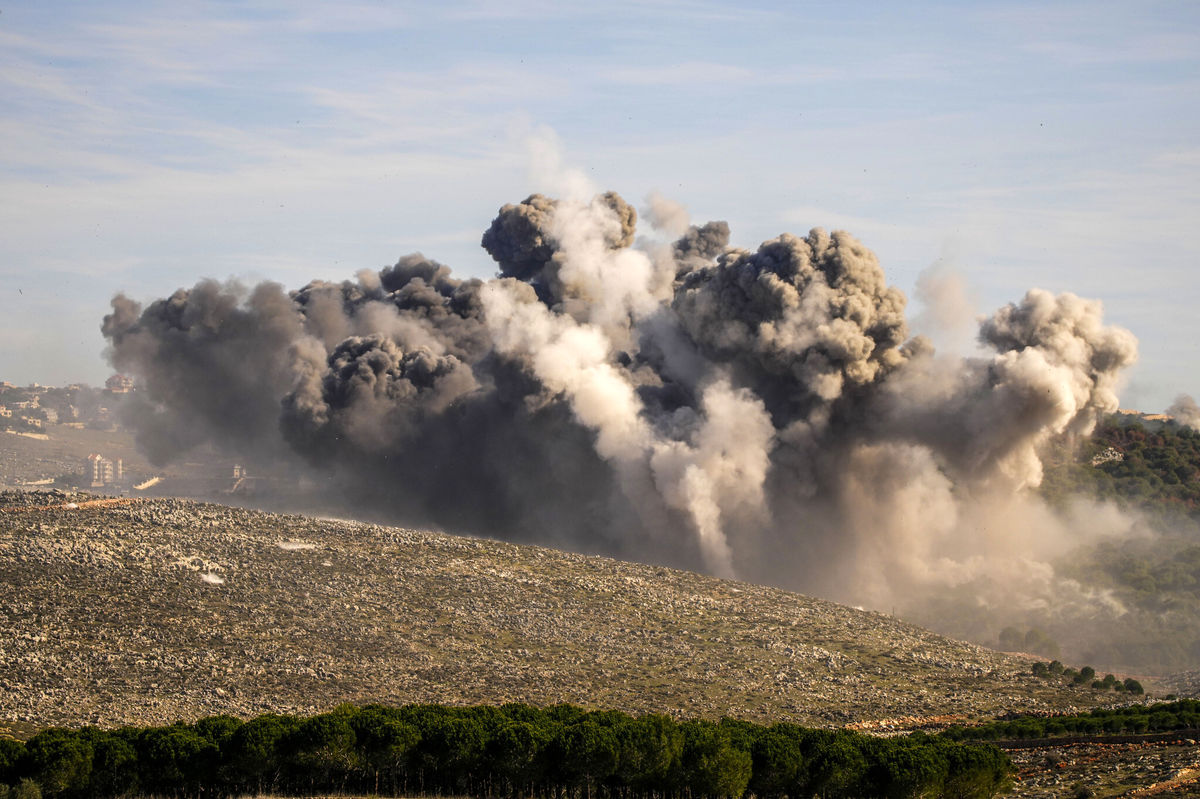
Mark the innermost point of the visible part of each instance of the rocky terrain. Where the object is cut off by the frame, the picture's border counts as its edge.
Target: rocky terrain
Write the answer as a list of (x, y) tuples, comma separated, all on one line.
[(1184, 683), (1170, 769), (140, 611)]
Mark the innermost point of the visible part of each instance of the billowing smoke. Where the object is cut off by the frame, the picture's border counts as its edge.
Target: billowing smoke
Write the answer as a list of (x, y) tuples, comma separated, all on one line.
[(755, 413), (1185, 411)]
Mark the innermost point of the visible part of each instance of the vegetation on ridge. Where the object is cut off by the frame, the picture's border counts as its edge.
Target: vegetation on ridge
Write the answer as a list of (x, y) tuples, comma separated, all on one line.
[(1156, 470), (1143, 578), (1135, 719), (1086, 676)]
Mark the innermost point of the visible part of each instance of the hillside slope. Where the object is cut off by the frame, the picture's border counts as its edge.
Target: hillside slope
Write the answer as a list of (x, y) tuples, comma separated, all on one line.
[(151, 610), (1149, 470)]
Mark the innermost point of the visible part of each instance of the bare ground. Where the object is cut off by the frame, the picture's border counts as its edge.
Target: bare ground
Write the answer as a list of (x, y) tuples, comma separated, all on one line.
[(154, 610)]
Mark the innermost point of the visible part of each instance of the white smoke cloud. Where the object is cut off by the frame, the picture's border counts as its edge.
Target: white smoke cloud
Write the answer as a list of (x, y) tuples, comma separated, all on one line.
[(666, 215), (948, 316)]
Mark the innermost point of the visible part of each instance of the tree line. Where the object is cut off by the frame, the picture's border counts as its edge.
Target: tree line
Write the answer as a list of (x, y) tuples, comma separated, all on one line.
[(1086, 677), (1136, 719), (560, 752)]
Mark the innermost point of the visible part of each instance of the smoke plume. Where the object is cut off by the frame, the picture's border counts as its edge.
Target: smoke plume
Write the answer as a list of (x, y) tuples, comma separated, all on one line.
[(755, 413), (1185, 411)]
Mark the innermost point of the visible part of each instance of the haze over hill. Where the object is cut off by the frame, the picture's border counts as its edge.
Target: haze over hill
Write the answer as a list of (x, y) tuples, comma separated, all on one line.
[(137, 611)]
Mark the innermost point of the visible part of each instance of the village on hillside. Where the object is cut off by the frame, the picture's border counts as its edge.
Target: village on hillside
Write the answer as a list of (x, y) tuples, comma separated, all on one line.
[(73, 438)]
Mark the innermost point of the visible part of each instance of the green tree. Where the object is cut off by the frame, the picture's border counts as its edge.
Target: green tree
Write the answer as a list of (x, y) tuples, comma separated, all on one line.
[(649, 752), (1036, 640), (27, 789), (1011, 640), (711, 765), (901, 769), (515, 755), (115, 769), (778, 764), (452, 750), (173, 759), (60, 760), (384, 743), (321, 751), (839, 765), (217, 729), (10, 754), (975, 772), (253, 762), (588, 753)]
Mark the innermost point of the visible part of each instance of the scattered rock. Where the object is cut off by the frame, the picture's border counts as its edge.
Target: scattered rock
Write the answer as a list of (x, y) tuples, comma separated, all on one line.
[(156, 610)]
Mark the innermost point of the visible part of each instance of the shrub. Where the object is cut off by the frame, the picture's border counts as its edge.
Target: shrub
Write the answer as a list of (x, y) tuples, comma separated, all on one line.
[(27, 789)]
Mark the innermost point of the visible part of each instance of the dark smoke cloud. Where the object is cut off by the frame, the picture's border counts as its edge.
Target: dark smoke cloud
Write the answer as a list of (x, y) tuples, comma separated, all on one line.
[(756, 413), (210, 358), (523, 242), (372, 393), (800, 321), (698, 246), (519, 238)]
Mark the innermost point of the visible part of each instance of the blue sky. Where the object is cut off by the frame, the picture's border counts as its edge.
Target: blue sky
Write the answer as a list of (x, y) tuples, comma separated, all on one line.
[(146, 145)]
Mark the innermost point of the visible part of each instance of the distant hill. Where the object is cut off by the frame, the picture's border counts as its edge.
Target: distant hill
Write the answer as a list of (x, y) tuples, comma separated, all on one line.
[(1140, 460), (1149, 466), (140, 611)]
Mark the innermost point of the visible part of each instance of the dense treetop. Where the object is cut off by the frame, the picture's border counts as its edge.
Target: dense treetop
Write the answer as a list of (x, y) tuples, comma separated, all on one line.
[(511, 750)]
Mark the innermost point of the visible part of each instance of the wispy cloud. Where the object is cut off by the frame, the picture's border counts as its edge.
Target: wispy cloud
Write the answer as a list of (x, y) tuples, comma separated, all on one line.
[(689, 72), (149, 143), (1147, 49)]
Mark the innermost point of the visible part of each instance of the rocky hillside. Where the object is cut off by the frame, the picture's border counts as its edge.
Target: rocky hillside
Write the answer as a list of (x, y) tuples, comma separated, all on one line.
[(151, 610)]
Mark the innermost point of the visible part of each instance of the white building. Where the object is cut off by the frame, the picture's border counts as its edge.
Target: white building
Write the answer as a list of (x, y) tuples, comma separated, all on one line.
[(100, 471)]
